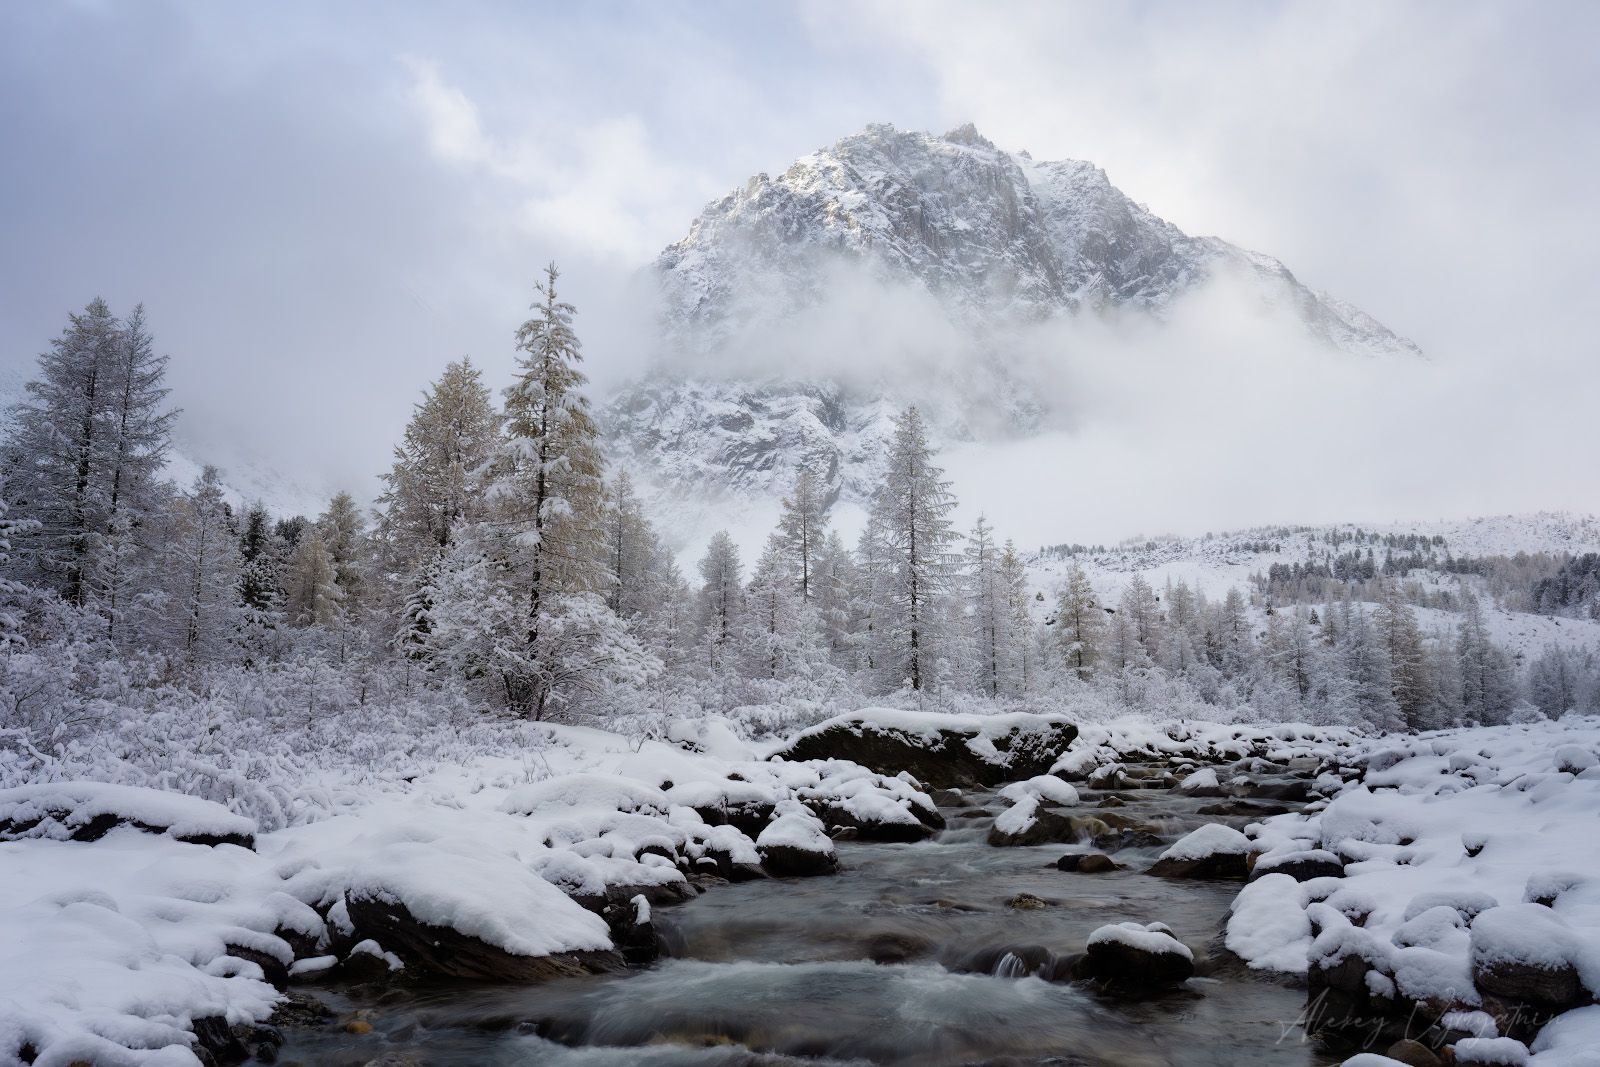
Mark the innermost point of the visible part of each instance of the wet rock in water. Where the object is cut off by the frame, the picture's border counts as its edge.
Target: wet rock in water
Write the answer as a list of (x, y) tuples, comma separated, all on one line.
[(1294, 790), (1010, 961), (1135, 956), (216, 1039), (1109, 776), (796, 845), (1087, 863), (1213, 852), (299, 1010), (941, 751), (1203, 783), (1026, 902), (1030, 823), (1111, 830), (430, 951), (1112, 801), (897, 946), (948, 798), (1413, 1054), (633, 931), (1302, 865)]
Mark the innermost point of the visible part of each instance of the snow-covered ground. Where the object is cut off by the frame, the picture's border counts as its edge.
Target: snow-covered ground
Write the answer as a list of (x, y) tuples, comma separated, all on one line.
[(129, 914), (1470, 876)]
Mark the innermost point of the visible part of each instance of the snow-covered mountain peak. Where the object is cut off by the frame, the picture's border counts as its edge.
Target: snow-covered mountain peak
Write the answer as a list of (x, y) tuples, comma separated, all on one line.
[(896, 266)]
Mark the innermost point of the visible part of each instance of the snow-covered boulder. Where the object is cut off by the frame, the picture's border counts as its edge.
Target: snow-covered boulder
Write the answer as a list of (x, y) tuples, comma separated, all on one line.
[(1214, 851), (1129, 954), (1490, 1052), (796, 844), (1523, 953), (457, 912), (939, 750), (1202, 783), (1300, 864), (873, 807), (87, 811)]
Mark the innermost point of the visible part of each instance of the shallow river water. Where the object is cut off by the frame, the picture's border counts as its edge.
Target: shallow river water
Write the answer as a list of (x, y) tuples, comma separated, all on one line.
[(901, 958)]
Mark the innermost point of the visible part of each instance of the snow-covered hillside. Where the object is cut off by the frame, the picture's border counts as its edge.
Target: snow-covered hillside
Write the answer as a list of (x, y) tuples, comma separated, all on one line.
[(1215, 563)]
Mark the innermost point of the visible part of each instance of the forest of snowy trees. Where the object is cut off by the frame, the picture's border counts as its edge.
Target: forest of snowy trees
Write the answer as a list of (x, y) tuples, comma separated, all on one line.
[(506, 568)]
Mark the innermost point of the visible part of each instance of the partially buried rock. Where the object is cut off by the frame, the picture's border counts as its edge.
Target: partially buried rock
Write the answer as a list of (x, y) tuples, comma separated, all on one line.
[(1026, 902), (1135, 956), (1086, 863), (1212, 852)]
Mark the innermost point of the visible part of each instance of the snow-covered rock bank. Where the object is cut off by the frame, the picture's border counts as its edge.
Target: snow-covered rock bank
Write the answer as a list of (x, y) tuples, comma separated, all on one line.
[(140, 926), (940, 750), (1469, 900)]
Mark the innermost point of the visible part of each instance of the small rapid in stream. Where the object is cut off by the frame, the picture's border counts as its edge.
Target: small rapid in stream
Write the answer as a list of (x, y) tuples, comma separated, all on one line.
[(913, 954)]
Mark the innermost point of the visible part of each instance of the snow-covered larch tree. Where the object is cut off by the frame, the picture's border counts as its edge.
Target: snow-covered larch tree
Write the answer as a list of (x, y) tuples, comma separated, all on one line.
[(721, 598), (546, 519), (436, 481), (802, 528), (314, 597), (1079, 623), (920, 570)]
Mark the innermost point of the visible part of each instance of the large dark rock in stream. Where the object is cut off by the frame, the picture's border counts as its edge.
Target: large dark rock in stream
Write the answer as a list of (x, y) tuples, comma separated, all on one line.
[(1213, 852), (795, 845), (431, 951), (938, 750), (1133, 956)]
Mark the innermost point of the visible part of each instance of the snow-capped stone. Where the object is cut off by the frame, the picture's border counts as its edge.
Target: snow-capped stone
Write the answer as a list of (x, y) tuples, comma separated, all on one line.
[(795, 843), (1212, 851), (1140, 955)]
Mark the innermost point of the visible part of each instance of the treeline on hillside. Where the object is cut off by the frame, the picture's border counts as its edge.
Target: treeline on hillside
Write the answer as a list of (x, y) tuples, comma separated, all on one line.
[(506, 566)]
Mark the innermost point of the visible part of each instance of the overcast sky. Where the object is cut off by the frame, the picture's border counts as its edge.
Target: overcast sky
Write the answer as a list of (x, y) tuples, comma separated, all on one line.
[(321, 204)]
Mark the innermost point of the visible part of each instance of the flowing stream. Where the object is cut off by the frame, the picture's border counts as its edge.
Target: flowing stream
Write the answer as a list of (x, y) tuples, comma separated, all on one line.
[(913, 954)]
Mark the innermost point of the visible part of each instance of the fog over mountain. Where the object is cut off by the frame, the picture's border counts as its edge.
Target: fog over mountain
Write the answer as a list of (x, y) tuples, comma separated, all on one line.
[(895, 267)]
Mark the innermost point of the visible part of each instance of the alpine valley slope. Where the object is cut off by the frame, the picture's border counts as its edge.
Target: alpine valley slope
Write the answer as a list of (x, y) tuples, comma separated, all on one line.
[(800, 312)]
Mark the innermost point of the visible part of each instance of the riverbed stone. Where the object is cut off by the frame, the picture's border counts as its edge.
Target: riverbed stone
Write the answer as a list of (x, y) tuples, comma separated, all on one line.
[(1413, 1054), (1087, 863)]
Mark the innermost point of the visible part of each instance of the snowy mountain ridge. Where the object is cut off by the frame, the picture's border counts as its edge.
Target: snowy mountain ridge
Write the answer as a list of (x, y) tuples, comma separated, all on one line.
[(896, 267)]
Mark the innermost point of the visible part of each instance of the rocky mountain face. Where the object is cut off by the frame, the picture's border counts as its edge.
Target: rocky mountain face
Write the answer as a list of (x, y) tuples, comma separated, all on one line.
[(948, 228)]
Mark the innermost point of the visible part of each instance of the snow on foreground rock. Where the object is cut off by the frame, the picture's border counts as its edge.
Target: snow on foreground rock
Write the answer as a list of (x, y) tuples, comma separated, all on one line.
[(137, 925), (1470, 887)]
